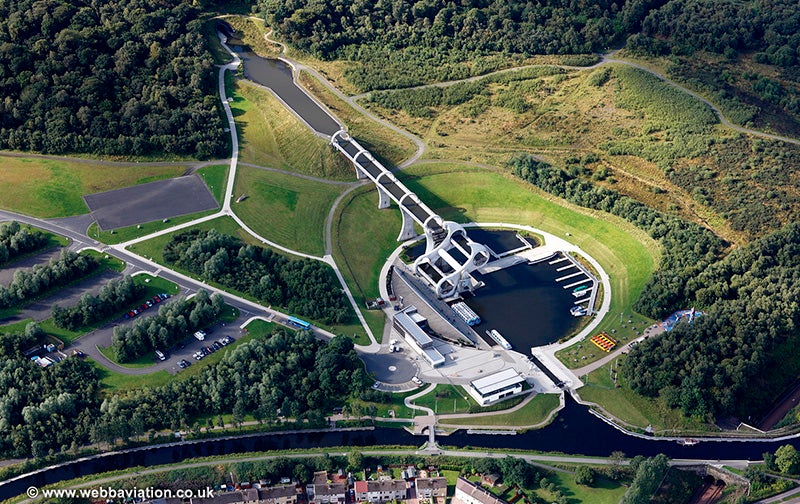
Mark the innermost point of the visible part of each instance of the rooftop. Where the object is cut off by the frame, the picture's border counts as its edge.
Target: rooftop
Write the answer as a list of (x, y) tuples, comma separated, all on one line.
[(489, 384)]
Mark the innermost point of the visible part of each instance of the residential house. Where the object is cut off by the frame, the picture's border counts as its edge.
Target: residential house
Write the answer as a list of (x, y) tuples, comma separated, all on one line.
[(381, 491), (472, 493), (429, 488)]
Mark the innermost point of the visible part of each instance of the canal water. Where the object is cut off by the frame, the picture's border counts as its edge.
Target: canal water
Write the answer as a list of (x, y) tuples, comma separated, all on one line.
[(575, 431), (525, 304), (277, 75)]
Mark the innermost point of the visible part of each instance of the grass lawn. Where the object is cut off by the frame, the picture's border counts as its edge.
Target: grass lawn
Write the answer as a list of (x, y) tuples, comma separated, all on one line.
[(288, 210), (146, 360), (388, 146), (446, 399), (50, 188), (120, 235), (397, 405), (603, 491), (363, 237), (270, 135), (631, 407), (465, 194), (215, 177), (534, 412)]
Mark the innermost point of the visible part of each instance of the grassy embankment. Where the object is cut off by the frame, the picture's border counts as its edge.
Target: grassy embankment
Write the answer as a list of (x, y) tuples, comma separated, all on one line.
[(271, 136), (389, 147), (534, 412), (363, 237), (154, 250), (250, 32), (54, 188), (632, 408)]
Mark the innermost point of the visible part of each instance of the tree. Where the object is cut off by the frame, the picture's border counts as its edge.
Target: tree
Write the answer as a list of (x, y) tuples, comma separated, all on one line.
[(301, 473), (584, 475), (787, 459), (355, 461), (616, 469)]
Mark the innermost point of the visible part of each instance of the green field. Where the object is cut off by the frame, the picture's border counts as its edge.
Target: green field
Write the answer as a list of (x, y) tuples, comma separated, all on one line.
[(287, 210), (534, 412), (270, 135), (358, 221), (215, 177), (447, 399), (603, 491), (388, 146), (50, 188), (120, 235)]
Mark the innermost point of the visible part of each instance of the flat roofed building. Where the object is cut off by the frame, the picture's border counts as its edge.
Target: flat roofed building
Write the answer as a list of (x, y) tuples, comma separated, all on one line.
[(416, 338), (496, 386), (431, 487), (472, 493)]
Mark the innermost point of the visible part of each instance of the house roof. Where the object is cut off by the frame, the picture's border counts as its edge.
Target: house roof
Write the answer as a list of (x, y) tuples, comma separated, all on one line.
[(476, 492), (431, 483), (277, 492), (361, 486)]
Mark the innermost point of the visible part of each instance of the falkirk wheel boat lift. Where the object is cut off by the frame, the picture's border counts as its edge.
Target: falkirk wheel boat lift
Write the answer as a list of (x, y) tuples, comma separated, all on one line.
[(443, 272)]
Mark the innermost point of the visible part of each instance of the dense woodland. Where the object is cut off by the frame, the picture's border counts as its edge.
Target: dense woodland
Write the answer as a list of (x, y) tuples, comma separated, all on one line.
[(308, 288), (731, 359), (46, 410), (16, 240), (118, 77), (768, 28), (402, 43)]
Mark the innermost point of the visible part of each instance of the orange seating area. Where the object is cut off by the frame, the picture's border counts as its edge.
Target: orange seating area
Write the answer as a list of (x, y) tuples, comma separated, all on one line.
[(604, 341)]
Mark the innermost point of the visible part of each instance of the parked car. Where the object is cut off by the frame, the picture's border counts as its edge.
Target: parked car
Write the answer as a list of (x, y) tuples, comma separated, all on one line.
[(160, 355)]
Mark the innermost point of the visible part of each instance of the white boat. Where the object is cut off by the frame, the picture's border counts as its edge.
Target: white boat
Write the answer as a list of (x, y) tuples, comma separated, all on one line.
[(688, 442), (578, 311), (495, 335)]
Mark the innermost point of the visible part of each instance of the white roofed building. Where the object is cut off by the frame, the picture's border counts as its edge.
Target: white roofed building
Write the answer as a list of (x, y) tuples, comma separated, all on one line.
[(495, 387)]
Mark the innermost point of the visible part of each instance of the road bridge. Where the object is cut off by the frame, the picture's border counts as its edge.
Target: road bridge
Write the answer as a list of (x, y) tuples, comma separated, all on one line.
[(450, 255)]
